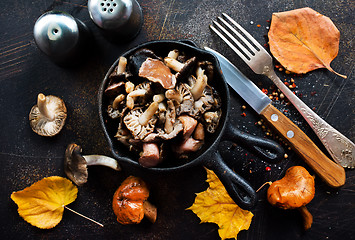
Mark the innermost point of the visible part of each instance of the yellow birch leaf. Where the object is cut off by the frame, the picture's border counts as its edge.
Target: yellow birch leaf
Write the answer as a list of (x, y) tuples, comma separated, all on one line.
[(42, 204), (215, 206)]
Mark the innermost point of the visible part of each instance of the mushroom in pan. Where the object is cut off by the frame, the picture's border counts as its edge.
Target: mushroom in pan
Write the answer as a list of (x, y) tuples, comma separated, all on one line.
[(150, 156), (141, 90), (47, 118), (119, 73), (156, 71), (200, 83), (117, 79), (189, 124), (75, 164), (136, 60), (140, 123), (205, 102), (212, 119), (114, 89), (188, 146), (130, 203), (123, 134), (199, 133), (170, 117), (182, 97), (183, 70), (208, 67)]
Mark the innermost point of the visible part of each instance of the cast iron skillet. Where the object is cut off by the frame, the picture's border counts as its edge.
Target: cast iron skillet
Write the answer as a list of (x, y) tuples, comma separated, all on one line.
[(238, 188)]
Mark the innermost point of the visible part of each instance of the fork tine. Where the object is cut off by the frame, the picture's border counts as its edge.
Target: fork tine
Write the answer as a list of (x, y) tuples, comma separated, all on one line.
[(252, 39), (241, 55), (242, 48), (239, 44), (251, 47)]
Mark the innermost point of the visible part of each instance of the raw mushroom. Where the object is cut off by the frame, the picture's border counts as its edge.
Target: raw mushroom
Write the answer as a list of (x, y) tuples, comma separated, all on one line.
[(156, 71), (293, 191), (183, 69), (139, 131), (47, 118), (75, 164), (130, 202)]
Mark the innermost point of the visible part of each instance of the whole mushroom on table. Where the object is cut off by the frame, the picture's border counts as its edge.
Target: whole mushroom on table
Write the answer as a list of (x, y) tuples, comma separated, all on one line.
[(162, 105)]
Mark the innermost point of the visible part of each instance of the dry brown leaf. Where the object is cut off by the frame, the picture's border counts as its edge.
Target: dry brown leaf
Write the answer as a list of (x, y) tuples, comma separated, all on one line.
[(215, 205), (303, 40), (42, 204)]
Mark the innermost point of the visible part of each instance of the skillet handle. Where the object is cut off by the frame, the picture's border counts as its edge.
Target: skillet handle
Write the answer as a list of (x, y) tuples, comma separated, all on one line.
[(265, 148), (237, 187)]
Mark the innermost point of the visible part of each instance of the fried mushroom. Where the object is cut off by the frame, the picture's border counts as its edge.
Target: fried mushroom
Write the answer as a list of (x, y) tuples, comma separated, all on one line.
[(139, 131)]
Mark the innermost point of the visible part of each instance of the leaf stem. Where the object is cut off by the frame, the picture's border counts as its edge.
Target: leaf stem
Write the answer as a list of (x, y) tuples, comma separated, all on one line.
[(81, 215)]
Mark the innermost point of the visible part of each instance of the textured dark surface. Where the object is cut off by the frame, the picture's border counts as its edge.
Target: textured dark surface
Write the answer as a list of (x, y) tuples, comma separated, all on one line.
[(26, 157)]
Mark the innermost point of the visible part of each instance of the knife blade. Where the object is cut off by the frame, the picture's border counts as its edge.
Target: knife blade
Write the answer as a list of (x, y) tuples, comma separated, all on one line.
[(332, 173)]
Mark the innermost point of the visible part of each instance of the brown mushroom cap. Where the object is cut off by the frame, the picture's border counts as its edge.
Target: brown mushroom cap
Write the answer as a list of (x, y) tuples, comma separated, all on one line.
[(156, 71), (47, 118), (128, 200), (75, 166), (294, 190)]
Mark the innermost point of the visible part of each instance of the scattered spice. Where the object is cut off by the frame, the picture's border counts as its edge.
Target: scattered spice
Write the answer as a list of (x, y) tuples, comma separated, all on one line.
[(268, 169), (243, 114), (258, 25)]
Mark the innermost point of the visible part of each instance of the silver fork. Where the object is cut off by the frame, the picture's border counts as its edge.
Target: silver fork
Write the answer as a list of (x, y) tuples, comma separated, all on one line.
[(259, 60)]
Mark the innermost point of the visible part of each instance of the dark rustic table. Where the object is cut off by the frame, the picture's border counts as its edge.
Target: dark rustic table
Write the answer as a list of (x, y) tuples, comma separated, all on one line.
[(26, 157)]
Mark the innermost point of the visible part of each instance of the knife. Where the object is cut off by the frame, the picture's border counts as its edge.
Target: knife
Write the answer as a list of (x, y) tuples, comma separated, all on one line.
[(332, 173)]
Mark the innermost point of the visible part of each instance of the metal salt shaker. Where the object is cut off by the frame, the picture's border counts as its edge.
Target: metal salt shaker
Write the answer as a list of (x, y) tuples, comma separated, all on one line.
[(62, 37), (121, 20)]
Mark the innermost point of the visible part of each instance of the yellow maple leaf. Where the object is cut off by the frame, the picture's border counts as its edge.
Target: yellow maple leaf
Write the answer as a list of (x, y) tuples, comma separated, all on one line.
[(215, 205), (42, 204)]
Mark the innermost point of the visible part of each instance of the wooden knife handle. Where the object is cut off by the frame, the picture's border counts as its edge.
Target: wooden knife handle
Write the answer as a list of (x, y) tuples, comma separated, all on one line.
[(332, 173)]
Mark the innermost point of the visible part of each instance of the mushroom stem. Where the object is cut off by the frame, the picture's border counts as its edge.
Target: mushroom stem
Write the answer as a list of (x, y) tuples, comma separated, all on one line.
[(307, 217), (122, 65), (201, 83), (173, 94), (42, 107), (173, 64), (173, 54), (117, 101), (149, 112), (102, 160), (150, 211), (129, 87), (158, 98), (132, 95)]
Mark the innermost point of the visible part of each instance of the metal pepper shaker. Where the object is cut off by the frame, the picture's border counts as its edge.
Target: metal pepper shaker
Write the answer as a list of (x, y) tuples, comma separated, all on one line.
[(120, 20), (62, 37)]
